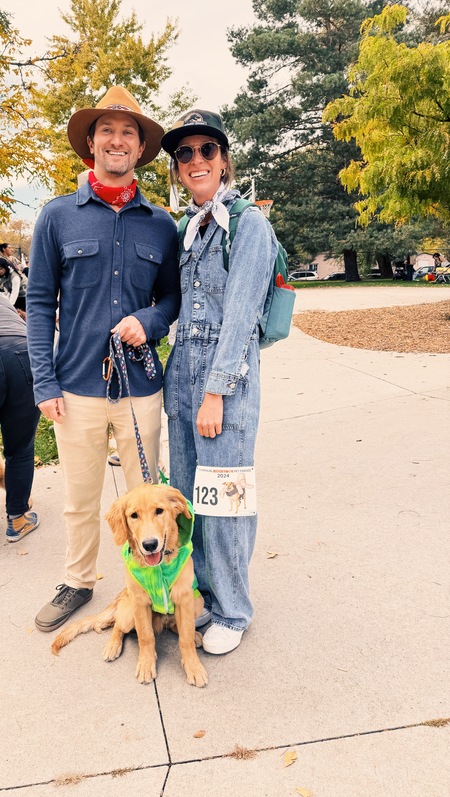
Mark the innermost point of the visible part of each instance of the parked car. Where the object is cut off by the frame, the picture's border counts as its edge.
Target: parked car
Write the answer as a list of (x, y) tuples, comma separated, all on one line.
[(337, 275), (422, 271), (296, 276)]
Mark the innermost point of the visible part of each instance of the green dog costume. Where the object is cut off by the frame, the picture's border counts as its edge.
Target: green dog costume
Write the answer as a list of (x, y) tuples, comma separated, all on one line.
[(157, 581)]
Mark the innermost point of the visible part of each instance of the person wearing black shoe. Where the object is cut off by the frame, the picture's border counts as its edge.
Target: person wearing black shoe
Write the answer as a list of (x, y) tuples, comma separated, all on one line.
[(106, 258)]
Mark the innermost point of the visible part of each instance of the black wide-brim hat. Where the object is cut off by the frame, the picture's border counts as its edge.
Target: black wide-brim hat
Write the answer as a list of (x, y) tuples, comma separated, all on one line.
[(116, 99), (195, 123)]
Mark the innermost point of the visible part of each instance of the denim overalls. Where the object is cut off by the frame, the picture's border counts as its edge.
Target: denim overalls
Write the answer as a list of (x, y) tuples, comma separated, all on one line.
[(217, 351)]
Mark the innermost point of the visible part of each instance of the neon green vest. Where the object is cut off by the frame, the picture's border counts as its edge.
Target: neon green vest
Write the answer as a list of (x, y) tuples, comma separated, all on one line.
[(159, 580)]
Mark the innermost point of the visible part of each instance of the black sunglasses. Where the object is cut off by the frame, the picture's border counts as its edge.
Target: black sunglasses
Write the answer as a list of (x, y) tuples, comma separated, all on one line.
[(209, 150)]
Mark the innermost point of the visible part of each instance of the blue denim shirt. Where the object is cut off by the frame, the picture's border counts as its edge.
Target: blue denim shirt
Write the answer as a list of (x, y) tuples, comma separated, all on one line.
[(229, 302), (101, 266)]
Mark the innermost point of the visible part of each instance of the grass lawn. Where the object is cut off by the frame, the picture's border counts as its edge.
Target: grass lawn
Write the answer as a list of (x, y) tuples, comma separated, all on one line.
[(367, 283)]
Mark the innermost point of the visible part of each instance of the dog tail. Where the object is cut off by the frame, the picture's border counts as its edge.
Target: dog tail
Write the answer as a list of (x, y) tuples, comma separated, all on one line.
[(93, 622)]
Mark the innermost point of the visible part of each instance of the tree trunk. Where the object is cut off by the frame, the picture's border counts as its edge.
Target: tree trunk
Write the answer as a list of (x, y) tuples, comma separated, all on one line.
[(351, 266), (384, 262)]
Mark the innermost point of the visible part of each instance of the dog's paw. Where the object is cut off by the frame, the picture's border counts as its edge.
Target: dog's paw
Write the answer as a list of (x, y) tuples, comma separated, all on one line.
[(198, 639), (146, 670), (112, 650), (196, 674)]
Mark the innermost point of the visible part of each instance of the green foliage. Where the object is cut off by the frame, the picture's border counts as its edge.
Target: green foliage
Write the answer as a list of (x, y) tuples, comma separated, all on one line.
[(398, 112), (20, 153), (299, 54), (45, 449)]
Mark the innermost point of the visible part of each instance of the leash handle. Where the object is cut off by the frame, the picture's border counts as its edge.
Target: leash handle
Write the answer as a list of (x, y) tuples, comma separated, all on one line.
[(116, 351)]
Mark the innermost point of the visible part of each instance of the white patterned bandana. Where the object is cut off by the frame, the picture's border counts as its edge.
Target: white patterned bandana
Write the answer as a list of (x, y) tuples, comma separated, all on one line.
[(213, 206)]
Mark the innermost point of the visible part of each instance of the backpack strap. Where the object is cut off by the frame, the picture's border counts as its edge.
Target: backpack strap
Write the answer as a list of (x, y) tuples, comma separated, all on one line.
[(181, 232), (227, 239)]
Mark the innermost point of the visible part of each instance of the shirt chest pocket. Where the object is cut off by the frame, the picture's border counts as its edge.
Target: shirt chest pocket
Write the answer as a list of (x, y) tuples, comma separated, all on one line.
[(83, 263), (145, 266), (214, 276)]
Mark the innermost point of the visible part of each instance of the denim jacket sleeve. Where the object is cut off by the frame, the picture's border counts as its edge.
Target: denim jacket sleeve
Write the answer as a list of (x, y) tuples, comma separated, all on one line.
[(252, 255)]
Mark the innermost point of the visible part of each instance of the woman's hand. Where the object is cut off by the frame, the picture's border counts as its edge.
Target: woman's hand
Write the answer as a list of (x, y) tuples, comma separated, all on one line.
[(210, 415)]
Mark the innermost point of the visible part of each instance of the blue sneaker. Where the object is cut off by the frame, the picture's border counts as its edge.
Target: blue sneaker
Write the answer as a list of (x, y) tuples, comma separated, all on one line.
[(21, 526)]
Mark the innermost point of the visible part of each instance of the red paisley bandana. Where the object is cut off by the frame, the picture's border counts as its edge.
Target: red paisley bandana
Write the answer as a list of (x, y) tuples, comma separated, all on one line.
[(118, 195)]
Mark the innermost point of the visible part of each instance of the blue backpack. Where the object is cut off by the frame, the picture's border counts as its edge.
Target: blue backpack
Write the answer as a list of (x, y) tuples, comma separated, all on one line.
[(275, 321)]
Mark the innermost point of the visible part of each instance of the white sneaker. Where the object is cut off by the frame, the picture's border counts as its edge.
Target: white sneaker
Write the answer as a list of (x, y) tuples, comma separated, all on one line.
[(218, 639)]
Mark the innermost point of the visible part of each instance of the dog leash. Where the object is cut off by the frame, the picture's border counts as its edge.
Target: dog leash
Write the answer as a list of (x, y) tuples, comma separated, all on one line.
[(116, 363)]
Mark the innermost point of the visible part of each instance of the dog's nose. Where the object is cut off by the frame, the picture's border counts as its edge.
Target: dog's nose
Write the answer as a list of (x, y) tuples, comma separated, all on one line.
[(150, 545)]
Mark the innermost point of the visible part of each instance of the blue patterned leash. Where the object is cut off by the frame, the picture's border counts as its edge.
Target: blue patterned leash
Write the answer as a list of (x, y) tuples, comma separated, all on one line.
[(136, 354)]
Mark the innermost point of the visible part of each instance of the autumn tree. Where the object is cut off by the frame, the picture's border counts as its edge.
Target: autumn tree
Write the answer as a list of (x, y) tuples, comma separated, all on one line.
[(398, 112), (105, 50), (21, 156)]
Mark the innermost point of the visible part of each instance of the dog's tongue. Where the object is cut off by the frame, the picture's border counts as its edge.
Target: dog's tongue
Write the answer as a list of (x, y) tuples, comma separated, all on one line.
[(153, 559)]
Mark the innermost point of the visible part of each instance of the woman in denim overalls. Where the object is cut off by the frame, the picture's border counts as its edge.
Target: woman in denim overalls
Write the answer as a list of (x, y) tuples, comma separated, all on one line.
[(212, 382)]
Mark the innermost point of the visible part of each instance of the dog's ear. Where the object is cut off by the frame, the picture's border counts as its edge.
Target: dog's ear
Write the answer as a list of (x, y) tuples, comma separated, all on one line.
[(179, 502), (117, 520)]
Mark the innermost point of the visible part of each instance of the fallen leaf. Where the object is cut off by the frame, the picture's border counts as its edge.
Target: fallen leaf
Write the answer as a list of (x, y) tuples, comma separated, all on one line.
[(242, 753), (199, 734), (289, 757), (99, 576), (22, 553), (271, 554), (439, 723), (303, 792)]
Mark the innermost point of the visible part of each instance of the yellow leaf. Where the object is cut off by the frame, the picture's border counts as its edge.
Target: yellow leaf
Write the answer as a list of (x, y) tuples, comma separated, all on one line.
[(289, 757), (303, 792), (99, 576), (271, 554), (199, 734)]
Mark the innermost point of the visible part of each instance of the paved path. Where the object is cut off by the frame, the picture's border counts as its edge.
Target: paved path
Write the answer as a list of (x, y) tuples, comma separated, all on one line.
[(348, 654)]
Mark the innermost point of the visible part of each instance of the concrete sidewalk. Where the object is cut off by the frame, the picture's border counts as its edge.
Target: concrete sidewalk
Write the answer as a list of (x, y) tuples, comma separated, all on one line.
[(348, 654)]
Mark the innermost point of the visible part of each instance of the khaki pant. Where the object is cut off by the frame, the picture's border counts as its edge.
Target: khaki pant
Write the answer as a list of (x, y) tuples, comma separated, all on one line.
[(82, 441)]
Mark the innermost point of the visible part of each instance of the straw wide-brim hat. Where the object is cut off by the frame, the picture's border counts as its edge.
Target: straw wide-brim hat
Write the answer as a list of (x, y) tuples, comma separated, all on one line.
[(116, 100)]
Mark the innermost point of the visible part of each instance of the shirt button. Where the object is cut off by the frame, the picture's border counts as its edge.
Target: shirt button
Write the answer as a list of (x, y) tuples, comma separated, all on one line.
[(151, 257), (116, 273), (196, 305), (115, 301), (118, 243), (197, 284), (80, 252), (195, 330), (232, 385)]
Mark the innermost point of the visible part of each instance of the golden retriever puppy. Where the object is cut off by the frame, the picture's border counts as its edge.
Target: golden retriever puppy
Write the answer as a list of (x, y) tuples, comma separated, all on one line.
[(154, 526)]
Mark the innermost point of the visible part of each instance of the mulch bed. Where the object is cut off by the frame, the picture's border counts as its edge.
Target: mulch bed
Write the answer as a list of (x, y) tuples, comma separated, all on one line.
[(421, 328)]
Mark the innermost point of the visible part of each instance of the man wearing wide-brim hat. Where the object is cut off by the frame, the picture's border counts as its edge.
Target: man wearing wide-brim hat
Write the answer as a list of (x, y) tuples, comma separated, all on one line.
[(107, 258)]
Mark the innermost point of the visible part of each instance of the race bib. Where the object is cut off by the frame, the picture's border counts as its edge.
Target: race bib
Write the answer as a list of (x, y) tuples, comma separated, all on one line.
[(225, 492)]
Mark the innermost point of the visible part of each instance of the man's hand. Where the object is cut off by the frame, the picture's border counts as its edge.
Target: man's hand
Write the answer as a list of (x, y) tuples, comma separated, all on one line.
[(210, 415), (131, 331), (53, 409)]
